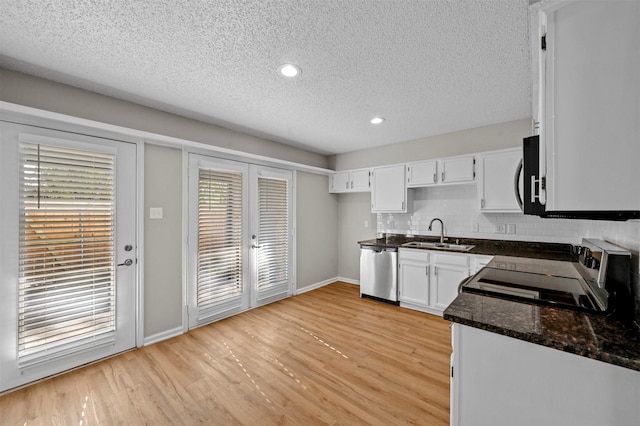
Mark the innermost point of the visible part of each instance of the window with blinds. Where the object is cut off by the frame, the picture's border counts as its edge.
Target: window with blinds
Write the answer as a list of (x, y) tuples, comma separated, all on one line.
[(220, 217), (273, 232), (66, 281)]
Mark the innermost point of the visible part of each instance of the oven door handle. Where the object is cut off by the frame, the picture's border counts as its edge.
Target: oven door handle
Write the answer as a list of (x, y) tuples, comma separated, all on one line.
[(463, 282)]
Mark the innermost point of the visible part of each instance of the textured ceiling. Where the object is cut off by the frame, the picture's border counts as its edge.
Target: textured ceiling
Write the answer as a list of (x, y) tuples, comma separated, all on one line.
[(428, 67)]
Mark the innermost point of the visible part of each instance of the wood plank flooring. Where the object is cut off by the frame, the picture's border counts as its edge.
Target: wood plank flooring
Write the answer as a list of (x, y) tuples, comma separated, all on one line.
[(323, 357)]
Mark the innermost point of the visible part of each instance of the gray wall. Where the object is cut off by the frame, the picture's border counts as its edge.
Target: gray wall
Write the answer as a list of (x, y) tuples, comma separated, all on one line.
[(162, 240), (317, 210), (317, 222), (354, 209)]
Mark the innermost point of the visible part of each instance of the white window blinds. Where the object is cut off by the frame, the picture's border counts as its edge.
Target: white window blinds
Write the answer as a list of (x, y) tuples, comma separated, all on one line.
[(66, 281), (273, 232), (219, 236)]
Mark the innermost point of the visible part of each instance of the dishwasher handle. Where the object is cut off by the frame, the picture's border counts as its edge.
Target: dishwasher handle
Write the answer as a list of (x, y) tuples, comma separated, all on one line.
[(381, 249)]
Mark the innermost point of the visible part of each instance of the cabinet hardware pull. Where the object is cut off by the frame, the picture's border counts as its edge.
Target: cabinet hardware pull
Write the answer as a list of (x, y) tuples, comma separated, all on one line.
[(442, 176), (435, 270), (435, 177)]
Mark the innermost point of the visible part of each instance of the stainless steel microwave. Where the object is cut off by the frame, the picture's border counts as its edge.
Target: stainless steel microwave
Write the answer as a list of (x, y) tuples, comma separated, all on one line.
[(530, 200)]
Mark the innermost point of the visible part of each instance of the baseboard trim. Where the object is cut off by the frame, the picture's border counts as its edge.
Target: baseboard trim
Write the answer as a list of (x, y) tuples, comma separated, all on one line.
[(348, 280), (164, 335), (326, 282)]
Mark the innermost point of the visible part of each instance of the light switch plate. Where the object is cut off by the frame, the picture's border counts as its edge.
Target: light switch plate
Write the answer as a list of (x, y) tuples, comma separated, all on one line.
[(500, 228), (156, 213)]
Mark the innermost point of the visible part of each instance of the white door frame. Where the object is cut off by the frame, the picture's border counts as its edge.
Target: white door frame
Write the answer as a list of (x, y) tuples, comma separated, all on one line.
[(213, 155), (74, 133)]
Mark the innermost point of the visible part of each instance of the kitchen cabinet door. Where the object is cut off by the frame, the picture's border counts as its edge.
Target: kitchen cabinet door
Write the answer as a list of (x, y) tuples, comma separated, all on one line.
[(350, 181), (496, 181), (414, 282), (388, 189), (360, 180), (340, 182), (422, 173), (447, 272), (587, 95), (413, 279), (445, 281), (457, 169)]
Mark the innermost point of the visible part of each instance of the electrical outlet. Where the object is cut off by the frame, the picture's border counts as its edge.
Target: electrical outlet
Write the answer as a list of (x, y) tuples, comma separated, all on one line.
[(500, 228), (475, 227), (511, 228)]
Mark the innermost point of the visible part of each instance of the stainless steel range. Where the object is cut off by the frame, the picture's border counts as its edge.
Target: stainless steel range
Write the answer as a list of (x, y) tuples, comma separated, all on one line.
[(599, 280)]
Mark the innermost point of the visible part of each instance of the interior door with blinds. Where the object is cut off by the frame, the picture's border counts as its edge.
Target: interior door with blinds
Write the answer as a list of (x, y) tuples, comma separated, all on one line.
[(67, 252), (271, 234), (239, 237)]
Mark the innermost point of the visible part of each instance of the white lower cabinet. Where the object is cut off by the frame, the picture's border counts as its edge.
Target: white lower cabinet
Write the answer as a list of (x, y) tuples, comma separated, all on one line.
[(448, 271), (499, 380), (413, 278), (428, 280)]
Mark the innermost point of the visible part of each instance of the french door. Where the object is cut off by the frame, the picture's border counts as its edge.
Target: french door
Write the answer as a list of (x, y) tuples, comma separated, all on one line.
[(67, 251), (240, 237)]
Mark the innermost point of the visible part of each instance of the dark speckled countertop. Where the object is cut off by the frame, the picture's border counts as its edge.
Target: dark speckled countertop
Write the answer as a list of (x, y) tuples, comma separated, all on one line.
[(549, 251), (590, 335)]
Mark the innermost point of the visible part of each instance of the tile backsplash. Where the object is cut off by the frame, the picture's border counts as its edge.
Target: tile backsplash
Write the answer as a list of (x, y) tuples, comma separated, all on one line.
[(459, 208)]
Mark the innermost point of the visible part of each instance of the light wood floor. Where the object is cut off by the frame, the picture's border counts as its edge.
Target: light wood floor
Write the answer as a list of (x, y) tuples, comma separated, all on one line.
[(323, 357)]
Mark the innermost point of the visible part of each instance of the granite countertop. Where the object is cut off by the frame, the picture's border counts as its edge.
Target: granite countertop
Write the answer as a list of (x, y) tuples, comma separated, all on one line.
[(590, 335), (536, 250)]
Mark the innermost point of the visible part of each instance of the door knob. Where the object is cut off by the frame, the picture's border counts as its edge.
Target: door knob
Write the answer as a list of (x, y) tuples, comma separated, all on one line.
[(127, 262)]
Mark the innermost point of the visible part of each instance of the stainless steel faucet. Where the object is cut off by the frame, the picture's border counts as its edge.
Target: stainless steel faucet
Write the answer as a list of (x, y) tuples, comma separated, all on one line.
[(441, 228)]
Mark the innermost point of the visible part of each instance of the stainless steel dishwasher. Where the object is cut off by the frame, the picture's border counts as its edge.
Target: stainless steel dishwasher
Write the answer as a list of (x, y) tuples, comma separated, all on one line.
[(379, 273)]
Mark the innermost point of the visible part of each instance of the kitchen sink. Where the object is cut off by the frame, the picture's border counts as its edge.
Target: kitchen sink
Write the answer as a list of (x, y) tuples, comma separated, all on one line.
[(438, 246)]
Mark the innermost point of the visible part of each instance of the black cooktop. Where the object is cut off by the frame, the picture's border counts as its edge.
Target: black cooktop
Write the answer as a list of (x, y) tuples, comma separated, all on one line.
[(535, 281)]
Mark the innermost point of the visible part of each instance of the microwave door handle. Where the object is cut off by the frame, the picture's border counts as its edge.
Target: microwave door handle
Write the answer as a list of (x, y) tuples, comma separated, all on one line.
[(516, 185)]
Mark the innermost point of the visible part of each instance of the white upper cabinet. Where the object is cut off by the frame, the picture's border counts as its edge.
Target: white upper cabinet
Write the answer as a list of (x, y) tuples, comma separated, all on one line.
[(388, 189), (586, 63), (339, 182), (422, 173), (457, 169), (497, 177), (350, 181)]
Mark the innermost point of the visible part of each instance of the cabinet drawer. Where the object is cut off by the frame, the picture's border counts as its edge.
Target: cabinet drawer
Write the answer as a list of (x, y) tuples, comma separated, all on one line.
[(451, 259), (413, 254)]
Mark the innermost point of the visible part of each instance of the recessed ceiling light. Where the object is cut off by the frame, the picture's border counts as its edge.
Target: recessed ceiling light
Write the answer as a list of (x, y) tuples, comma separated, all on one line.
[(289, 70), (377, 120)]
